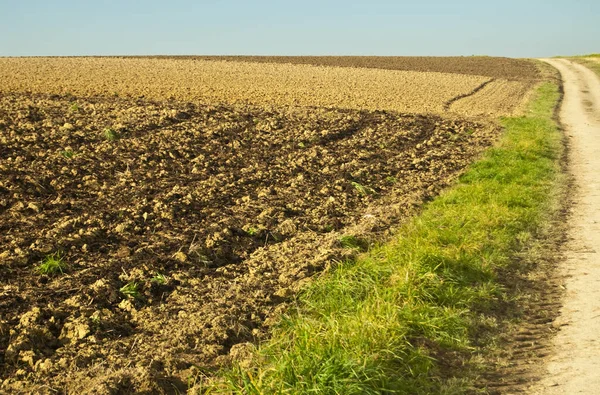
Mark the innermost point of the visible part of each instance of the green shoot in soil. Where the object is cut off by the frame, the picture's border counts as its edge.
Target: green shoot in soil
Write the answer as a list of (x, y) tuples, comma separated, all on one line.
[(52, 264), (251, 231), (130, 290), (110, 134), (159, 279), (391, 180), (363, 190), (68, 154)]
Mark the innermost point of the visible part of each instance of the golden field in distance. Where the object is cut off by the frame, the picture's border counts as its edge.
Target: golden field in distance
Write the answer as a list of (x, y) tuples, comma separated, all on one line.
[(488, 66), (263, 84)]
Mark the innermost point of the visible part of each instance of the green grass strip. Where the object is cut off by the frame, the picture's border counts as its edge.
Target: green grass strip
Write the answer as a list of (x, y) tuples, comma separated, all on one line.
[(384, 323)]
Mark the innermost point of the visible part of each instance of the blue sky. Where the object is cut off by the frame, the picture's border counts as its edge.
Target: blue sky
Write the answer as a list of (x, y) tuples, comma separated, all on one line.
[(525, 28)]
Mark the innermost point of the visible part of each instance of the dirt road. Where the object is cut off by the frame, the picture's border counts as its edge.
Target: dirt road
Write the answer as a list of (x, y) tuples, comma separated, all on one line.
[(573, 367)]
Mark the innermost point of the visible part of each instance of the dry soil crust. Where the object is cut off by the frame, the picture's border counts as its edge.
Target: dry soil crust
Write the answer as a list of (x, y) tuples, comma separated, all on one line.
[(573, 365)]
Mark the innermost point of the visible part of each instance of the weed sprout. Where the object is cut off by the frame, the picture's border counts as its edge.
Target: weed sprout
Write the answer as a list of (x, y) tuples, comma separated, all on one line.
[(52, 264)]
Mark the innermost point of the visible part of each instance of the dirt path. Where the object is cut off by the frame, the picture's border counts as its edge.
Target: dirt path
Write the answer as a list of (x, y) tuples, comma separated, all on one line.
[(573, 367)]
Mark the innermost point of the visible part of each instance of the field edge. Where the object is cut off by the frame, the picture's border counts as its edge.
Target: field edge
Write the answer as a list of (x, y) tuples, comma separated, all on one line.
[(404, 317)]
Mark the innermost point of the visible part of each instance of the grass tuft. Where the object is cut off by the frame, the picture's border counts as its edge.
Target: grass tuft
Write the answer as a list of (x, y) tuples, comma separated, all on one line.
[(251, 231), (353, 242), (52, 264), (110, 134), (67, 154), (362, 189), (130, 290), (159, 279)]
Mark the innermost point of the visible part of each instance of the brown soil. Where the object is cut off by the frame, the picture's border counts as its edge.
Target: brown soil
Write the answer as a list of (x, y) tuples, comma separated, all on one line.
[(235, 206), (494, 67)]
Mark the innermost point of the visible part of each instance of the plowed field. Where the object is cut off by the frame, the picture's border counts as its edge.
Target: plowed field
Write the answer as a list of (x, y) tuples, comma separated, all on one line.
[(498, 97), (186, 207), (494, 67), (246, 83)]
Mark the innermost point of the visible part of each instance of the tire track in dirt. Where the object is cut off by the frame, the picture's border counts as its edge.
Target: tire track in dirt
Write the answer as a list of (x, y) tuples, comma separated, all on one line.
[(449, 103), (523, 347)]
